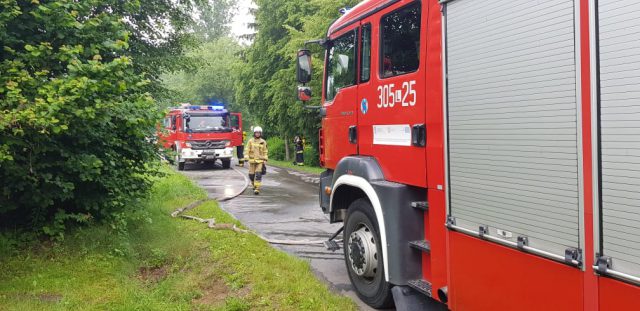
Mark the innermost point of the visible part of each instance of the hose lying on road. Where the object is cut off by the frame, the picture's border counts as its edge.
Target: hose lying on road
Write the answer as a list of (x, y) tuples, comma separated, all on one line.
[(211, 223)]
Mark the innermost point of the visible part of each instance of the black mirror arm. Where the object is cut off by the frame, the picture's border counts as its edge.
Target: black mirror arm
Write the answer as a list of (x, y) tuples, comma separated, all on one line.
[(321, 42)]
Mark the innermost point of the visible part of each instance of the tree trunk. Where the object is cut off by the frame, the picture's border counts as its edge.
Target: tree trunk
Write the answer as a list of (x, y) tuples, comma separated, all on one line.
[(286, 147)]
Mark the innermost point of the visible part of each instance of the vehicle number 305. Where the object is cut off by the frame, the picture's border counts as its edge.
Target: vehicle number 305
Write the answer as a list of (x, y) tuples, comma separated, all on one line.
[(389, 95)]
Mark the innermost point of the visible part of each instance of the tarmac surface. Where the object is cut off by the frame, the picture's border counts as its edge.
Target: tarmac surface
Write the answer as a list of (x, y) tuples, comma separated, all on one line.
[(287, 209)]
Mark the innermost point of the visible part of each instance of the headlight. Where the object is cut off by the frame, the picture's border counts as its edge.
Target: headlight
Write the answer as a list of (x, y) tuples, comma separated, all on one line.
[(227, 143), (188, 144)]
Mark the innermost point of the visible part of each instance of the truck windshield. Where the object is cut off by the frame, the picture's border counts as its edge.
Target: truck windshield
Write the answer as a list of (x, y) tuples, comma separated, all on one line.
[(341, 65), (198, 123)]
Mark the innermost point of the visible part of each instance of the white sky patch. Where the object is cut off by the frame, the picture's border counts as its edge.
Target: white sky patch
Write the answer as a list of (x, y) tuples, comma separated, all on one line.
[(241, 19)]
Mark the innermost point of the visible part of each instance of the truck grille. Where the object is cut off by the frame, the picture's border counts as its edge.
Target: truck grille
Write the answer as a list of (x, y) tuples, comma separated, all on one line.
[(208, 144)]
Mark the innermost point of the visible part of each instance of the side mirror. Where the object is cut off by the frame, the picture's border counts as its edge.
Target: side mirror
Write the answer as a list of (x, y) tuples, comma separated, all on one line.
[(304, 93), (304, 66)]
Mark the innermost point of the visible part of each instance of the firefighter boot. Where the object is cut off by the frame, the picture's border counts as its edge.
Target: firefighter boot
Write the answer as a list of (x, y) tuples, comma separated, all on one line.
[(256, 187), (257, 183), (252, 177)]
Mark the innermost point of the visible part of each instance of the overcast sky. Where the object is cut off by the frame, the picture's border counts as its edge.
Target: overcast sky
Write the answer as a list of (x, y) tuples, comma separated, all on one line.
[(242, 17)]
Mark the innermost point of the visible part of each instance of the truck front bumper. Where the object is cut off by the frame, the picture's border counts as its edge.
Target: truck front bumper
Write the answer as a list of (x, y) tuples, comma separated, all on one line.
[(190, 155)]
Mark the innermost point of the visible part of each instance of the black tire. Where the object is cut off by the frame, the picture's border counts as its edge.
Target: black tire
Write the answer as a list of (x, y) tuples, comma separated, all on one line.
[(226, 164), (374, 291), (177, 162)]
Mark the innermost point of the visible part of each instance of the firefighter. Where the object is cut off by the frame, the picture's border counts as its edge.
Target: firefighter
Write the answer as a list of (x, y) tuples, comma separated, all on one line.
[(256, 154), (299, 146), (240, 150)]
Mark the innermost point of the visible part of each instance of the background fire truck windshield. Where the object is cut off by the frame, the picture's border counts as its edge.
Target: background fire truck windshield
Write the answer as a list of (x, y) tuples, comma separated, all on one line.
[(202, 123)]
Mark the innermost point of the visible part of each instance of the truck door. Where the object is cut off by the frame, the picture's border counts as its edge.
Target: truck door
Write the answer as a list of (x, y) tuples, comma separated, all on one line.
[(340, 98), (391, 102), (168, 134), (514, 154), (164, 130), (236, 125)]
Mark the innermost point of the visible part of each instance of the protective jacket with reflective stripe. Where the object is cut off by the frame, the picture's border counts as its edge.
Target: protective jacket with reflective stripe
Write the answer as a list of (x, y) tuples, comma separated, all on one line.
[(256, 150)]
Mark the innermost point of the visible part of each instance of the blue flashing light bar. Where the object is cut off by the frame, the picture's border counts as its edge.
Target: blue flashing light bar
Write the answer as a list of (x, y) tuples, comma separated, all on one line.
[(206, 108)]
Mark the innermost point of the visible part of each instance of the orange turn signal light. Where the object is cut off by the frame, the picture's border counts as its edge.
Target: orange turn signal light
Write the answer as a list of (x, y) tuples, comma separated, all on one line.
[(327, 190)]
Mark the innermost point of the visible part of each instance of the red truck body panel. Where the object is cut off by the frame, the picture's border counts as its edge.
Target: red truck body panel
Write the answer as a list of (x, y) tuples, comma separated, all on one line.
[(479, 274)]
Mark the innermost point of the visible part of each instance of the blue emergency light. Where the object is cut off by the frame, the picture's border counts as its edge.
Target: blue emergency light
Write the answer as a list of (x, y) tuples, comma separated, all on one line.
[(344, 10), (212, 108)]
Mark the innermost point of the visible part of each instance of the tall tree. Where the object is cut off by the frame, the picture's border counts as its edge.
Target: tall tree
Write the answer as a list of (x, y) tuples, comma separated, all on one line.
[(267, 82), (163, 30), (213, 76)]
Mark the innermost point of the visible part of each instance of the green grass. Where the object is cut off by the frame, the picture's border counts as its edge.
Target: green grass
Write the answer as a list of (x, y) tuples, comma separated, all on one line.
[(161, 263), (290, 165)]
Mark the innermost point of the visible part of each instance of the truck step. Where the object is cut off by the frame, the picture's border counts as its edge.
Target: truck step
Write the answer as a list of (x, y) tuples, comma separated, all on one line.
[(421, 245), (421, 286), (422, 205)]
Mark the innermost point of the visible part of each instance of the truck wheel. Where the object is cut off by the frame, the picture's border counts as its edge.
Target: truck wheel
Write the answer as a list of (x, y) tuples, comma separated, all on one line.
[(363, 255), (178, 163), (226, 163)]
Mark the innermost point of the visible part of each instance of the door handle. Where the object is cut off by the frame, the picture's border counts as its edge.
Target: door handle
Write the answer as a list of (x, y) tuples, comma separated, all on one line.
[(353, 134), (419, 135)]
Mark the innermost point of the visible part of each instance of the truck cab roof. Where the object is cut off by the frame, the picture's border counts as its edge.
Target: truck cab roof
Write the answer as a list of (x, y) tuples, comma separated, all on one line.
[(358, 12)]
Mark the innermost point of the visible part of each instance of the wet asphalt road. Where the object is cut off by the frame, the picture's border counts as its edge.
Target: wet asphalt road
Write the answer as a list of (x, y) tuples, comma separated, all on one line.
[(287, 209)]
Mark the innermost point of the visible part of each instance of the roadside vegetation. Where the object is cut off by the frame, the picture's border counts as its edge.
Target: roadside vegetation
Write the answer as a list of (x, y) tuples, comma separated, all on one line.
[(84, 202), (289, 165), (79, 92), (156, 262)]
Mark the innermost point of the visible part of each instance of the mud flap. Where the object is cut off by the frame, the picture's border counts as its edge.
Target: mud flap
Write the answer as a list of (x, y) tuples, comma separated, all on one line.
[(326, 180), (407, 299)]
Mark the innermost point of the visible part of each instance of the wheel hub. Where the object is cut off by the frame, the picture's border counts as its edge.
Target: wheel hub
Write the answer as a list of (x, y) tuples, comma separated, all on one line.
[(363, 255)]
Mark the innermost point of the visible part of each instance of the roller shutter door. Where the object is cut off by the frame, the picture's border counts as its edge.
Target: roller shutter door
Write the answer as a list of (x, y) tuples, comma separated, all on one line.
[(512, 120), (619, 46)]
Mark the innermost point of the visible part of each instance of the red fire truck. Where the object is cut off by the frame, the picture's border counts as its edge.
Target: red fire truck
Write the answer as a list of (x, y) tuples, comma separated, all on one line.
[(200, 134), (485, 153)]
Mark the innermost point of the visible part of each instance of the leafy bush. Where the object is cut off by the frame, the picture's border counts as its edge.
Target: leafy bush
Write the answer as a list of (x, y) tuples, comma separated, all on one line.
[(276, 148), (75, 121), (311, 157)]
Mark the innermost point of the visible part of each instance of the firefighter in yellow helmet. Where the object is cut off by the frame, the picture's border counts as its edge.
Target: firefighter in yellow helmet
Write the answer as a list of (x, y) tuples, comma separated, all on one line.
[(256, 154)]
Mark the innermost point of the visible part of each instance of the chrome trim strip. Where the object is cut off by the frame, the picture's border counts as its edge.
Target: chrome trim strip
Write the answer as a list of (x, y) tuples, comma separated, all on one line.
[(619, 275), (514, 245)]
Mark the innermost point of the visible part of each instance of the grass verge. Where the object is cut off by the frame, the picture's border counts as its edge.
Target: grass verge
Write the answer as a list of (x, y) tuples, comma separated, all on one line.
[(290, 165), (161, 263)]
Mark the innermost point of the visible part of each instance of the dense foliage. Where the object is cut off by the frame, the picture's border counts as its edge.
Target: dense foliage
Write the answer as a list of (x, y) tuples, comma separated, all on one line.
[(212, 76), (76, 86), (267, 84)]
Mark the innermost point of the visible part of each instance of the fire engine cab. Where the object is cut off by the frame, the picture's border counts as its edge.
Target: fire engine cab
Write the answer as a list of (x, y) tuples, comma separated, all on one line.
[(484, 154), (200, 134)]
